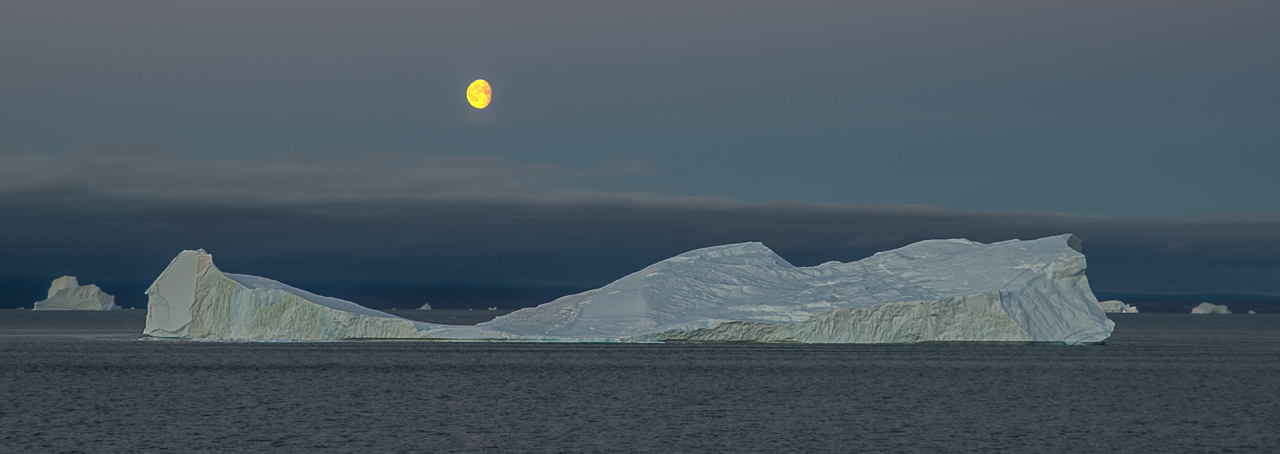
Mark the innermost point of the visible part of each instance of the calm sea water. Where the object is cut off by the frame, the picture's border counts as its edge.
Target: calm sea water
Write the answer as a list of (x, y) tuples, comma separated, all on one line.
[(1164, 383)]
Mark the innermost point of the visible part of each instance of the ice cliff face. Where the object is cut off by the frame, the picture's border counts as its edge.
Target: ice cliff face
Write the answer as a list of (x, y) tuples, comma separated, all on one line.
[(931, 291), (66, 294)]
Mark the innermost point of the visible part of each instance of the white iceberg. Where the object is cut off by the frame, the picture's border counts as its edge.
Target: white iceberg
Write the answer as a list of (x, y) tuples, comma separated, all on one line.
[(425, 307), (1210, 308), (1117, 307), (66, 294), (931, 291)]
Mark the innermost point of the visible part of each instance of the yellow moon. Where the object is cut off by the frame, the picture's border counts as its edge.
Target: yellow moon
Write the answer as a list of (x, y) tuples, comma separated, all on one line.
[(479, 94)]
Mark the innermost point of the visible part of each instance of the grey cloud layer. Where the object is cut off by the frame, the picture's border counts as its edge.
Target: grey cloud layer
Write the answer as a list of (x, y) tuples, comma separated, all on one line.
[(1089, 107), (480, 221), (147, 172)]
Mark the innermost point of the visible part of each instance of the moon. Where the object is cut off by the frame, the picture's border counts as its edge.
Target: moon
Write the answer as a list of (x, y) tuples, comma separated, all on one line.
[(479, 94)]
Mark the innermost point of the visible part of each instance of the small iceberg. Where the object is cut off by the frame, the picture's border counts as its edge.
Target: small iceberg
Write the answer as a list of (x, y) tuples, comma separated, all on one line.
[(1117, 307), (1210, 308), (66, 294)]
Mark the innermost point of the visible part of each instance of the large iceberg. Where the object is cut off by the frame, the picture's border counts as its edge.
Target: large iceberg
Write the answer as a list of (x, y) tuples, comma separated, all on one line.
[(931, 291), (66, 294)]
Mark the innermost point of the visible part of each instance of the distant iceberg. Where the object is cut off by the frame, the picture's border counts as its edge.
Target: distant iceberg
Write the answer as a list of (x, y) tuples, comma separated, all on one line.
[(1117, 307), (66, 294), (931, 291), (1210, 308)]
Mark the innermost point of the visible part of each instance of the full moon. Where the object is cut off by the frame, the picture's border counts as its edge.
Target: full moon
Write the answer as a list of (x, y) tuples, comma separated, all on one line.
[(479, 94)]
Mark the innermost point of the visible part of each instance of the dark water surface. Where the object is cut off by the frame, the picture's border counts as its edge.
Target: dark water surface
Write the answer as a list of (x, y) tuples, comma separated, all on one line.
[(132, 322), (1164, 383)]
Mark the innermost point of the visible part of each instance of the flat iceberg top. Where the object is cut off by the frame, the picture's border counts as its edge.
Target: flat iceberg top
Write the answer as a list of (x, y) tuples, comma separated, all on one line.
[(748, 282)]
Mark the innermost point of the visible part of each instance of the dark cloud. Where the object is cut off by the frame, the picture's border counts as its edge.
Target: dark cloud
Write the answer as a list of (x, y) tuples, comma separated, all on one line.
[(118, 219)]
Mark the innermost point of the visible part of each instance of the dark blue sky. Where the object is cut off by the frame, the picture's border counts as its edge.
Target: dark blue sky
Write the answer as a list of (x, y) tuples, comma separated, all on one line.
[(625, 133)]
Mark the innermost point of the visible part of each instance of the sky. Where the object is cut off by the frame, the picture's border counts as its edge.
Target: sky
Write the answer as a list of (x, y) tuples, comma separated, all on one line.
[(319, 142)]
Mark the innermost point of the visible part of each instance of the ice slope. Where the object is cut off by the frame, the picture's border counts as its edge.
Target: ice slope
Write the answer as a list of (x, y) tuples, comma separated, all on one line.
[(66, 294), (930, 291), (193, 299)]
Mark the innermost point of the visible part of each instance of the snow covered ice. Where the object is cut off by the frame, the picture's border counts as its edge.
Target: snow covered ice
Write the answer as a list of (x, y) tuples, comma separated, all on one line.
[(931, 291), (66, 294)]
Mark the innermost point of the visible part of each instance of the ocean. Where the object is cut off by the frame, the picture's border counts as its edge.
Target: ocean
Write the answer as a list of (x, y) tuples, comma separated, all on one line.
[(83, 382)]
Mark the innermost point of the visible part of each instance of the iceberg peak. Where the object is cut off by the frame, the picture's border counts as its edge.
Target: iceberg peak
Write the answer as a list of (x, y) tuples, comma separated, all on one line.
[(739, 253)]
